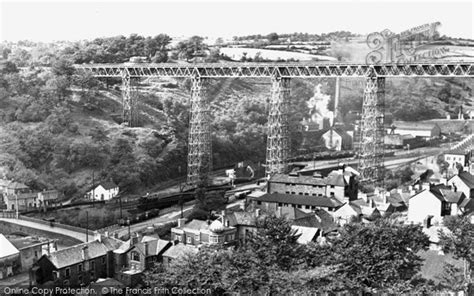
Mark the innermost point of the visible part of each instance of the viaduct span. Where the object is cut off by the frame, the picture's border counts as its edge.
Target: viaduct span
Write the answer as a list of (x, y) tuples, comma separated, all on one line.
[(199, 150)]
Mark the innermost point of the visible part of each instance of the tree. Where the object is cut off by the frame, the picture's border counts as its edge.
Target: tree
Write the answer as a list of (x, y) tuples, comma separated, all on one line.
[(379, 257), (191, 48), (460, 242)]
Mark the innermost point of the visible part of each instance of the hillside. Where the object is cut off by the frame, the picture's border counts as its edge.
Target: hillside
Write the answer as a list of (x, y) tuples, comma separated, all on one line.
[(59, 129)]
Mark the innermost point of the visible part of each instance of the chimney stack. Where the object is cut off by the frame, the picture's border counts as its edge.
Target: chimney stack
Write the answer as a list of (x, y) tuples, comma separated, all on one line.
[(85, 253), (147, 251), (134, 239), (257, 212), (181, 222)]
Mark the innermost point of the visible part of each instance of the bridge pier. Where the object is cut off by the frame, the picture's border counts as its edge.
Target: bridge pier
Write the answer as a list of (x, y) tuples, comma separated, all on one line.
[(129, 99), (199, 146), (371, 150), (278, 142)]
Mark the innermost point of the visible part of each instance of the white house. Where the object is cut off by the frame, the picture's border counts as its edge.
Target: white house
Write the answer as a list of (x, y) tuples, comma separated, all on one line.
[(463, 182), (103, 191), (337, 139), (431, 205), (455, 157)]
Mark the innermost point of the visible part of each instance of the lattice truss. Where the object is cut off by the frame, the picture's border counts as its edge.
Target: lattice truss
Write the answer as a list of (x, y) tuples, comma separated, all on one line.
[(199, 146), (278, 142), (280, 70), (371, 150), (129, 99)]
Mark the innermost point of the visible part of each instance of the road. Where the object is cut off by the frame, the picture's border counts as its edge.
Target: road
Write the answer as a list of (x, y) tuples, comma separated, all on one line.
[(70, 233)]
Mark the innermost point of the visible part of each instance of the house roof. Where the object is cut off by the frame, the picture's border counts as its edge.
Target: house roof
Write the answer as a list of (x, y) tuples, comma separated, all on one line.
[(414, 125), (320, 220), (179, 251), (467, 204), (73, 255), (445, 193), (318, 201), (17, 185), (335, 179), (307, 234), (306, 180), (467, 179), (108, 185), (242, 218), (7, 248)]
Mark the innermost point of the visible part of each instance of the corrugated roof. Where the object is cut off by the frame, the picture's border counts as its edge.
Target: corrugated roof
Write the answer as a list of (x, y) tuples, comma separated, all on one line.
[(73, 255), (414, 125), (7, 248), (317, 201)]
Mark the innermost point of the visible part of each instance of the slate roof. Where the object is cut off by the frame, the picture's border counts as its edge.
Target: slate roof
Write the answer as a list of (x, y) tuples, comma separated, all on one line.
[(17, 185), (444, 193), (306, 180), (7, 248), (180, 250), (320, 220), (108, 185), (73, 255), (467, 178), (336, 179), (242, 218), (318, 201)]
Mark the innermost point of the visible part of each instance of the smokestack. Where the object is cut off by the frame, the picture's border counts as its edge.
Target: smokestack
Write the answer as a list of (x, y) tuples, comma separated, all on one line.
[(336, 97)]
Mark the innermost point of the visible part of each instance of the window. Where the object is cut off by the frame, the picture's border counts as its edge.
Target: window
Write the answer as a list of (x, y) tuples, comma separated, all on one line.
[(36, 254), (93, 265), (259, 202), (306, 207), (103, 260), (213, 239), (135, 256), (80, 279), (332, 194), (189, 240), (197, 238), (306, 193), (332, 186), (280, 204), (67, 272), (79, 267), (298, 206), (314, 194)]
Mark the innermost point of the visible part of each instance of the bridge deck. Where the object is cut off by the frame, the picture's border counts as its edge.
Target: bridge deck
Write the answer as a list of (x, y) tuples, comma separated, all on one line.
[(306, 69)]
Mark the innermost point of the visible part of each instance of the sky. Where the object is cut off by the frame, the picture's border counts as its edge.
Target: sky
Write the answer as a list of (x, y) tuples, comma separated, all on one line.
[(77, 20)]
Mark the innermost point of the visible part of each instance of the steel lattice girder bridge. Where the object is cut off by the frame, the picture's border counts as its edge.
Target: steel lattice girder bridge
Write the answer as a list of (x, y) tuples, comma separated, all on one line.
[(290, 70), (199, 149)]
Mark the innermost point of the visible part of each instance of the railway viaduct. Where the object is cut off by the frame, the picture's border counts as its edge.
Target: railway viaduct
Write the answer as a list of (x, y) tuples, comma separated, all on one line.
[(199, 149)]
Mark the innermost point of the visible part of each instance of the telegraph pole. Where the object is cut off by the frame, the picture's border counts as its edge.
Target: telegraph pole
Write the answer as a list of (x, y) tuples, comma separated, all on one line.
[(87, 226)]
